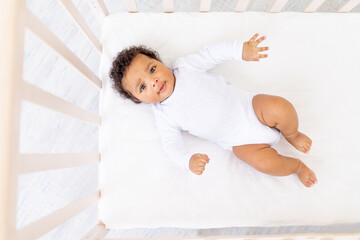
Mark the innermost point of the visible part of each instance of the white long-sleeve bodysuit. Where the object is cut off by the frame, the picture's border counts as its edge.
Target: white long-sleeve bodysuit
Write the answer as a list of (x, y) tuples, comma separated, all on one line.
[(206, 106)]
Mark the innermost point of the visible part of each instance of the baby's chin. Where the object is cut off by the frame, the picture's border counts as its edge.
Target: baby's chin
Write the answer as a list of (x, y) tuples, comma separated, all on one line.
[(168, 95)]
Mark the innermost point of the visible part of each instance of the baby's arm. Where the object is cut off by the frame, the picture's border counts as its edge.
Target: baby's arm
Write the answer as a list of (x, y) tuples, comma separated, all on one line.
[(211, 55), (171, 140), (174, 147)]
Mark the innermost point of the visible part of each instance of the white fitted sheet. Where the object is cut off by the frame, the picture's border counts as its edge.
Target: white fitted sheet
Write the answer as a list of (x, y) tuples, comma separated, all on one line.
[(313, 62)]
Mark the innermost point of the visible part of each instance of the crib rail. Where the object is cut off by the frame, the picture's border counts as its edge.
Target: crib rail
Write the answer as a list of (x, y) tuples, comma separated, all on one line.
[(52, 102), (45, 224), (97, 232), (349, 6), (42, 162), (15, 17), (311, 236), (241, 6), (14, 90), (99, 9), (79, 20), (168, 6), (37, 27)]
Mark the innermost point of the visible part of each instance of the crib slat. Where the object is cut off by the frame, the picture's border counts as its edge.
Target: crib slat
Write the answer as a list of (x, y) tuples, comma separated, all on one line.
[(312, 236), (42, 162), (348, 6), (205, 5), (278, 6), (98, 232), (55, 103), (168, 6), (241, 6), (79, 20), (132, 6), (99, 9), (44, 225), (37, 27), (12, 28), (313, 6)]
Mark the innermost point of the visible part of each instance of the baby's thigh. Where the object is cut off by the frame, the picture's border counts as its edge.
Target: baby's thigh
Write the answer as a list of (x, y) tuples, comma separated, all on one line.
[(254, 154), (266, 108)]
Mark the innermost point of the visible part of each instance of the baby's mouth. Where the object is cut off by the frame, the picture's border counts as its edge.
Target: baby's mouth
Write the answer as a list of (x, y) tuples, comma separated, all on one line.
[(162, 88)]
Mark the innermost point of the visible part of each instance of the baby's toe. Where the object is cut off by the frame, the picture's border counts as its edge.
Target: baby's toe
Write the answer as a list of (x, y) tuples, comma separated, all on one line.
[(314, 180), (308, 183), (306, 149)]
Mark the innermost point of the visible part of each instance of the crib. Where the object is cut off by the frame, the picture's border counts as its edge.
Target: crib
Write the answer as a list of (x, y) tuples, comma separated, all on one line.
[(15, 18)]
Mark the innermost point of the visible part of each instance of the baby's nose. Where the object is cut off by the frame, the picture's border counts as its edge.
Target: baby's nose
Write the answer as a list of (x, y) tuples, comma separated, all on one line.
[(155, 82)]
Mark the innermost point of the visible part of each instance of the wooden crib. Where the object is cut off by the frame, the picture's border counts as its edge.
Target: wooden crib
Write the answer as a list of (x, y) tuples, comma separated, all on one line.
[(15, 18)]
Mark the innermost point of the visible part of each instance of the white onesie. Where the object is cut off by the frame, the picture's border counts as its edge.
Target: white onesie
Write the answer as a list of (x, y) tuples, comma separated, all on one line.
[(206, 106)]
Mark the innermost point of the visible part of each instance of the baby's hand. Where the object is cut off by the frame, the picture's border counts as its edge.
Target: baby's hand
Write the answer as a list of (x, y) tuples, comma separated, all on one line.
[(197, 163), (250, 49)]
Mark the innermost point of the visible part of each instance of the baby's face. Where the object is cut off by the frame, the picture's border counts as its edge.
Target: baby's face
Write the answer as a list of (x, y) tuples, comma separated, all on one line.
[(144, 78)]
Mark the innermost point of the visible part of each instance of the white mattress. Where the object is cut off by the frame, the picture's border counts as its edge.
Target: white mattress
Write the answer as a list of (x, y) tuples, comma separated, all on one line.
[(313, 62)]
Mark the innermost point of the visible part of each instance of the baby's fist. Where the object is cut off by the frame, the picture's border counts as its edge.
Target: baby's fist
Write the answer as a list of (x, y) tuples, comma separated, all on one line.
[(197, 163)]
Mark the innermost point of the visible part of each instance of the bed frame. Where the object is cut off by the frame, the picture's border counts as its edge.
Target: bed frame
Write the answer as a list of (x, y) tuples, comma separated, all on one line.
[(14, 18)]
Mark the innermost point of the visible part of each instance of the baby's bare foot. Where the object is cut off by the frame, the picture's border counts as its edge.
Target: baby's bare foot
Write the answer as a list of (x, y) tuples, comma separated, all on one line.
[(300, 141), (306, 176)]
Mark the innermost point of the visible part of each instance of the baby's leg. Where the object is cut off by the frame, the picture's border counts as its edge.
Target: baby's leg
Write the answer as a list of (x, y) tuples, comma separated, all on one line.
[(274, 111), (267, 160)]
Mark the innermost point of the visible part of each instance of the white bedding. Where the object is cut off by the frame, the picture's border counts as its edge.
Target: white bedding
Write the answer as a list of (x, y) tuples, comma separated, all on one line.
[(314, 62)]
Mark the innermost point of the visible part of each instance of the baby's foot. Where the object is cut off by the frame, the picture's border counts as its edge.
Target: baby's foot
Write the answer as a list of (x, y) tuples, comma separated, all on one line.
[(306, 176), (300, 141)]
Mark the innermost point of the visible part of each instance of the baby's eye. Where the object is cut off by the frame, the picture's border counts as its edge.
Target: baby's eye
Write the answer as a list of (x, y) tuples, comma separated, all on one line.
[(151, 71), (141, 88)]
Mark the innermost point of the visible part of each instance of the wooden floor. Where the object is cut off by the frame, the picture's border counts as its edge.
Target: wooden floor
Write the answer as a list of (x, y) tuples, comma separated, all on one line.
[(43, 131)]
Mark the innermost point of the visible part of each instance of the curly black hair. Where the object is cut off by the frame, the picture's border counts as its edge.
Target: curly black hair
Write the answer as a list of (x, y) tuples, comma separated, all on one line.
[(121, 64)]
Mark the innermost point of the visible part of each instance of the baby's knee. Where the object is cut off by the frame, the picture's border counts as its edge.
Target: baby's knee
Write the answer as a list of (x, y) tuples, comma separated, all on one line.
[(259, 156), (265, 159), (282, 104)]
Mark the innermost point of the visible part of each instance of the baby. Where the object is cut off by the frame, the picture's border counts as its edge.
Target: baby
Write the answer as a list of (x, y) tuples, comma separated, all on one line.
[(191, 99)]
